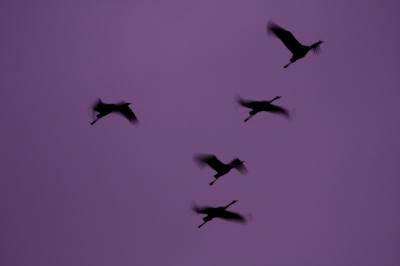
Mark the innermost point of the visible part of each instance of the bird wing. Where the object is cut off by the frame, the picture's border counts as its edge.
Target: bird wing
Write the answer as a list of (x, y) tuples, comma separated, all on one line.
[(285, 36), (239, 166), (278, 109), (127, 112), (232, 216), (248, 104), (210, 160), (205, 210), (236, 161)]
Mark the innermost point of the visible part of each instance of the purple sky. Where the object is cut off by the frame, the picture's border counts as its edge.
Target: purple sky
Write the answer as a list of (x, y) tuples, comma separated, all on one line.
[(322, 189)]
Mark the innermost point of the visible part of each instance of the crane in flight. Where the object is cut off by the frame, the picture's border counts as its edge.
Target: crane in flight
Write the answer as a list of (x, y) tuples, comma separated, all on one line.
[(259, 106), (122, 108), (221, 168), (298, 50), (219, 212)]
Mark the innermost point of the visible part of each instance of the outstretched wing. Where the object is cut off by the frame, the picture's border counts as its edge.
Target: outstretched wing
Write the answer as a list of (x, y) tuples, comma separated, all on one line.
[(210, 160), (285, 36), (239, 166), (232, 216), (127, 112)]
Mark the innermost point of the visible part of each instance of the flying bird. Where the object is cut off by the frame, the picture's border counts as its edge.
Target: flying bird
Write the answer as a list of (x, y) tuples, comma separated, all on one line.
[(298, 50), (262, 106), (122, 108), (217, 165), (219, 212)]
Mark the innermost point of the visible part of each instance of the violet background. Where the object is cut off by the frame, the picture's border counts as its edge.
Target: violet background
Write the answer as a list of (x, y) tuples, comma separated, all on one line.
[(322, 189)]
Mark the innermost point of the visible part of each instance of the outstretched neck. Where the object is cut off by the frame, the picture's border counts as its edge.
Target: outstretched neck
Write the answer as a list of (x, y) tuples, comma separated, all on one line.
[(230, 204), (277, 97)]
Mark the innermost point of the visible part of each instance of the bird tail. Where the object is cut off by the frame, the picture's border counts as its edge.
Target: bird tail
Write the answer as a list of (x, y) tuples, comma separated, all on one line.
[(271, 26), (97, 103), (195, 208), (239, 100)]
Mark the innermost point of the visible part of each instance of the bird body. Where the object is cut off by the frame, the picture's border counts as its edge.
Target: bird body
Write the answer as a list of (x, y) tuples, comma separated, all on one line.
[(298, 50), (219, 212), (259, 106), (218, 166), (120, 108)]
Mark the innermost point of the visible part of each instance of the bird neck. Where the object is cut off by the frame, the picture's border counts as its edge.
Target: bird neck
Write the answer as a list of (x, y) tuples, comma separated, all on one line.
[(274, 99), (229, 204)]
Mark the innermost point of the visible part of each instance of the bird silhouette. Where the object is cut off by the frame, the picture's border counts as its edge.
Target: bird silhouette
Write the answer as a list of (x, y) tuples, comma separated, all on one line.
[(298, 50), (262, 106), (122, 108), (219, 212), (217, 165)]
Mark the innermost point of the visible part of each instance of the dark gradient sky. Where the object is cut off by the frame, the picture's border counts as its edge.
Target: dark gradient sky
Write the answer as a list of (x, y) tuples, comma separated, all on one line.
[(322, 188)]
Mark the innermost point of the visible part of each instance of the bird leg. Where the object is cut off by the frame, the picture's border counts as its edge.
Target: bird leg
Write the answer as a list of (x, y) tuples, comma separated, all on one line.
[(202, 224), (213, 182), (95, 120), (288, 65), (248, 118)]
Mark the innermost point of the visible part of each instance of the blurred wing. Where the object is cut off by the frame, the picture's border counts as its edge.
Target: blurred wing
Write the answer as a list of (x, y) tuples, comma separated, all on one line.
[(316, 49), (239, 166), (236, 161), (209, 159), (280, 110), (127, 112), (204, 210), (285, 36), (248, 104), (231, 216), (242, 169)]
